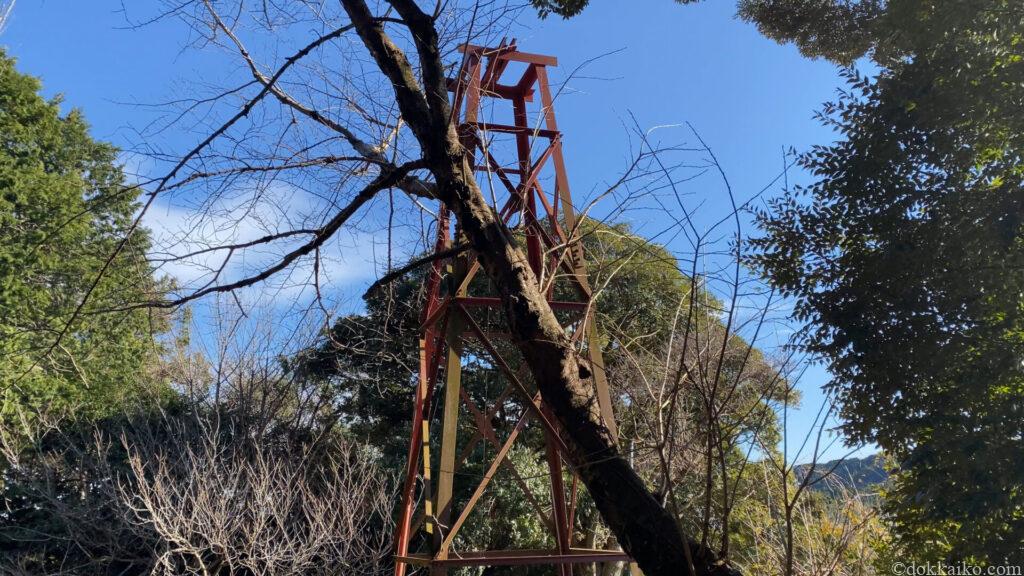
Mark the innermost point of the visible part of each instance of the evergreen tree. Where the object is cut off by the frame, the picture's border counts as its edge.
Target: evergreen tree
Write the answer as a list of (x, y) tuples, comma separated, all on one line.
[(64, 206), (904, 258), (370, 360), (838, 30)]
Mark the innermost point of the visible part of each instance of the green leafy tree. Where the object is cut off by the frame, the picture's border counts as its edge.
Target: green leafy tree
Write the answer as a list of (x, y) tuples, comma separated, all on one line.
[(838, 30), (64, 206), (370, 359), (904, 257)]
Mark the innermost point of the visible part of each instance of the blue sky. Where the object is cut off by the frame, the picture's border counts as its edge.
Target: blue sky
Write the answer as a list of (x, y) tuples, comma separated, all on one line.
[(664, 64)]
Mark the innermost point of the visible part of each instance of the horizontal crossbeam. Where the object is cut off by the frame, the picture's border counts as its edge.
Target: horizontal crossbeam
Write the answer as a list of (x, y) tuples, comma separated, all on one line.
[(491, 302), (496, 90), (512, 54), (519, 558), (510, 129)]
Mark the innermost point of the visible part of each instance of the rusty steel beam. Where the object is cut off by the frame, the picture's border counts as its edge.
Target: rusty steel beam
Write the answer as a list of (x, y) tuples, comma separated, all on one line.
[(503, 91), (498, 458), (488, 301), (511, 129), (521, 558), (513, 54)]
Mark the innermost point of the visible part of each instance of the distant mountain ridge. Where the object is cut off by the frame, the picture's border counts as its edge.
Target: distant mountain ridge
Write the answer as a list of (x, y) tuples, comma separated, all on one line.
[(861, 475)]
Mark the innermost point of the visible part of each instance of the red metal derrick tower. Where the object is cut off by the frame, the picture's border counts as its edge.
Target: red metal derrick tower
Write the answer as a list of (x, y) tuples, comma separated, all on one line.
[(451, 318)]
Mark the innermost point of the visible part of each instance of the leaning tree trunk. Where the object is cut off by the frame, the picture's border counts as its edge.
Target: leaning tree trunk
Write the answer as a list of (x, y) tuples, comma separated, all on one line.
[(644, 528)]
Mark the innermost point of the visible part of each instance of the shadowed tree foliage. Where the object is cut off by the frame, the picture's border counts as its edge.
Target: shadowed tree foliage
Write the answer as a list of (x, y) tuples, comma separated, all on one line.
[(838, 30), (905, 259)]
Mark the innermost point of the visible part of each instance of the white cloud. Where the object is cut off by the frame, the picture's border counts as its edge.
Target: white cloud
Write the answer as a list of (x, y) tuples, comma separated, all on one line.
[(185, 227)]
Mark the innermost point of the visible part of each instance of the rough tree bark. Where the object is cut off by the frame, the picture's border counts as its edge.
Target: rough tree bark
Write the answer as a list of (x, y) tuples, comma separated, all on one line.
[(644, 528)]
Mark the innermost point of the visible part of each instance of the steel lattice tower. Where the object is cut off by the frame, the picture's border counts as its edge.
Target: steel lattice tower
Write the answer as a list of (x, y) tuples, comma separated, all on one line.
[(451, 318)]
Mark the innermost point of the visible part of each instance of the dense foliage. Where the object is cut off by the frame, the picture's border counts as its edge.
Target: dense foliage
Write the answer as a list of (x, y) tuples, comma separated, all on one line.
[(904, 257), (839, 30), (63, 207)]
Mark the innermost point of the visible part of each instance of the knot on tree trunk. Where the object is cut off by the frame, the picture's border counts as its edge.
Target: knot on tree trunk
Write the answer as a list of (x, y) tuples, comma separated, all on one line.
[(584, 370)]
